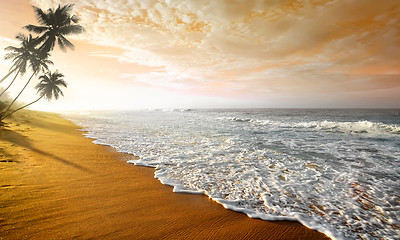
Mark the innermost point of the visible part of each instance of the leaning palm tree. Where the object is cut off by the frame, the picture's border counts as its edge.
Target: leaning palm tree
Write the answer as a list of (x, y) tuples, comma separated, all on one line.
[(38, 63), (48, 87), (18, 54), (21, 56), (56, 24)]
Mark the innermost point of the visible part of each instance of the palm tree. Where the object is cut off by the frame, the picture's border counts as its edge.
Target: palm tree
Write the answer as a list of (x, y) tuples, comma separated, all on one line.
[(38, 62), (55, 25), (21, 56), (48, 88)]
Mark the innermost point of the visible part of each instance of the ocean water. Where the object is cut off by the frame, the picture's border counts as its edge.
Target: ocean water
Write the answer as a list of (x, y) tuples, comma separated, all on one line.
[(336, 171)]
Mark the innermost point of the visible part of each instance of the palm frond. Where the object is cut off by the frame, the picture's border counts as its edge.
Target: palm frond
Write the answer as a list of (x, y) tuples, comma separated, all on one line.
[(48, 62), (22, 67), (41, 17), (48, 45), (44, 78), (36, 29), (62, 14), (57, 76), (11, 49), (61, 82), (56, 92), (43, 65), (66, 8), (31, 42), (61, 44), (41, 39), (71, 29), (53, 21), (8, 56), (17, 62), (65, 42), (20, 36)]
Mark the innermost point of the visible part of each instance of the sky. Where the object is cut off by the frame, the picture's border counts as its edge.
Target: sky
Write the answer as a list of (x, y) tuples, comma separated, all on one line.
[(220, 53)]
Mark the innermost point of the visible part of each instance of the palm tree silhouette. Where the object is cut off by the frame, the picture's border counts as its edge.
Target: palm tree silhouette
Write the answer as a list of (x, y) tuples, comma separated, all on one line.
[(49, 85), (55, 25), (47, 88), (38, 62), (21, 56)]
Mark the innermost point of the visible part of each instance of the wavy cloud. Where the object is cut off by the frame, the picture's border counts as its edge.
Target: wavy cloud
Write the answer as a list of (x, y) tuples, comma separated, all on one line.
[(263, 47)]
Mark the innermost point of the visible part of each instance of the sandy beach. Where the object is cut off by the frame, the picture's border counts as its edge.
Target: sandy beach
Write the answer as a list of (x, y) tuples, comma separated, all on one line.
[(57, 184)]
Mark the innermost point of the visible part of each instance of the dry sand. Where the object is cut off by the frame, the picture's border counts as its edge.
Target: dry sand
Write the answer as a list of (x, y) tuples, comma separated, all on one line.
[(57, 184)]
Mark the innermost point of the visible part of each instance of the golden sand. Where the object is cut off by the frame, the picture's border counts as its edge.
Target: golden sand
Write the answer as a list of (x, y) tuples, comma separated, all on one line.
[(57, 184)]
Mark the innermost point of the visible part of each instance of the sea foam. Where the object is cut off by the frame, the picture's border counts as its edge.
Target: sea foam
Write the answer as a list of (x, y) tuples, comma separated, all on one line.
[(335, 172)]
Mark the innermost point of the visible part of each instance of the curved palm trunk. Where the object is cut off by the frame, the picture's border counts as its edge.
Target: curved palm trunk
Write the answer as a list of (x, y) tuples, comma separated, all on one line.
[(21, 108), (8, 74), (9, 85), (15, 99)]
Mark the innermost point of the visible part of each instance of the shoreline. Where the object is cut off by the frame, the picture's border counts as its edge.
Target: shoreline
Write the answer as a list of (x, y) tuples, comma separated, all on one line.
[(56, 183)]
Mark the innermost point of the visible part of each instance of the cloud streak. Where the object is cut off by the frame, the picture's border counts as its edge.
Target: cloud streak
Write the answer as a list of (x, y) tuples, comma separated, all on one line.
[(261, 47)]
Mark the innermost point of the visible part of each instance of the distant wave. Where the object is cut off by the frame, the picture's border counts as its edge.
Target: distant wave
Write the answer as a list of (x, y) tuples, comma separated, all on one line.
[(360, 127), (167, 110), (352, 127)]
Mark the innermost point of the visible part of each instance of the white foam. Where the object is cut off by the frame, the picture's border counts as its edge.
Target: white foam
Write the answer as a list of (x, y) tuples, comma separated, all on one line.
[(325, 174), (363, 127), (357, 127)]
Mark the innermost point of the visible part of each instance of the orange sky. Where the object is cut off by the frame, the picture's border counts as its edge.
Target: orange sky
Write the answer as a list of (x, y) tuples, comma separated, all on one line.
[(222, 53)]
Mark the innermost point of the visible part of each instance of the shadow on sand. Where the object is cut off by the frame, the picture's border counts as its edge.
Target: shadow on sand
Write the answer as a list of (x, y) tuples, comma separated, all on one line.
[(23, 141)]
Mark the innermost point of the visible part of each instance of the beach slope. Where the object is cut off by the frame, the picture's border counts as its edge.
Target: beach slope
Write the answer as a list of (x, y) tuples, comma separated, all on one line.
[(57, 184)]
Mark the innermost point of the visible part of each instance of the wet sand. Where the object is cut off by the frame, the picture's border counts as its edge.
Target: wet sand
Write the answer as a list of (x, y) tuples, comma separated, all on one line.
[(57, 184)]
